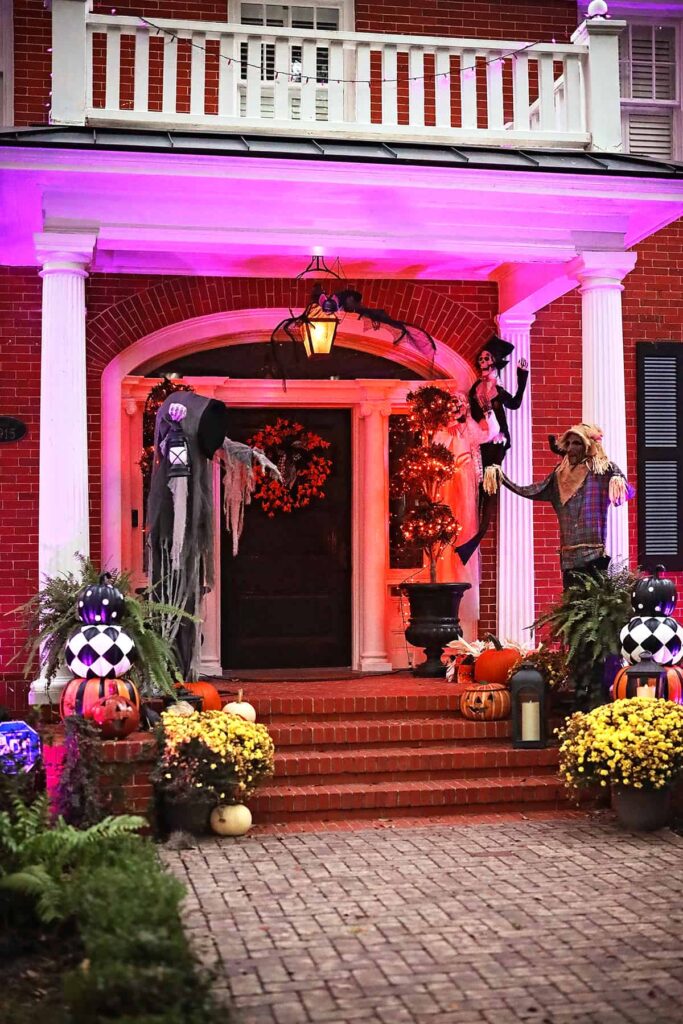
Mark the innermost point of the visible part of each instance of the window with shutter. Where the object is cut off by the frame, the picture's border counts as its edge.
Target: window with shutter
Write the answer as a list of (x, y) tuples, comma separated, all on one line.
[(649, 89), (660, 453)]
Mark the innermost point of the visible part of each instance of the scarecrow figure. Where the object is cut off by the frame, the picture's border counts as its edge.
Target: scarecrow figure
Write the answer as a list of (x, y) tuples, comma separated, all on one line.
[(580, 489), (488, 396), (189, 430)]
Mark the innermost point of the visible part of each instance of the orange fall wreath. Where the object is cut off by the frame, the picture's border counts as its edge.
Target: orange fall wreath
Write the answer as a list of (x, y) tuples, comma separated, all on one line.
[(296, 453)]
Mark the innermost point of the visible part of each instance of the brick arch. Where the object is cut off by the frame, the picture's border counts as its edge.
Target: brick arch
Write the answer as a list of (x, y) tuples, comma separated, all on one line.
[(172, 300)]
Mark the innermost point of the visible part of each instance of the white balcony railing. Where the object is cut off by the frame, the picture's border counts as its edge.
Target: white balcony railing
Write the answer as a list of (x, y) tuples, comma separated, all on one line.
[(210, 76)]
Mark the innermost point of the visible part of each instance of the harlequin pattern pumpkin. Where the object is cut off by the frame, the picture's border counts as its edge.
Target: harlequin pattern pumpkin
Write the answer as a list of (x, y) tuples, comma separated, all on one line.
[(211, 698), (115, 716), (658, 637), (99, 652), (100, 603), (486, 702), (494, 665), (654, 595), (670, 687), (80, 695)]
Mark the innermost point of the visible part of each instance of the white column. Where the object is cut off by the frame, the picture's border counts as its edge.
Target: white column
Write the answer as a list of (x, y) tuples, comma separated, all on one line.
[(515, 578), (600, 275), (63, 527), (374, 511)]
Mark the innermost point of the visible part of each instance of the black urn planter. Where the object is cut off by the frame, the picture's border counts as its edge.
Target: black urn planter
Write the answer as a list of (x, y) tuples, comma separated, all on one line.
[(434, 621)]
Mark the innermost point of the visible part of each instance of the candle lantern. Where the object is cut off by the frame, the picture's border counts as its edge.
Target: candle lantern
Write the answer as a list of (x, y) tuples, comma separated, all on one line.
[(176, 452), (529, 713), (647, 678)]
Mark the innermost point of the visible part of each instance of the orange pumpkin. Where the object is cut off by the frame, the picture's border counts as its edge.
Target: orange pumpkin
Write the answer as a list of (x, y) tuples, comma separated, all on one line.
[(486, 702), (669, 688), (80, 696), (211, 698), (494, 664)]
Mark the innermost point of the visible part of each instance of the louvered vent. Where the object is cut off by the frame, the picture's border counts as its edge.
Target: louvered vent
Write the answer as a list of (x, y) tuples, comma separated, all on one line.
[(661, 508), (659, 402), (650, 133)]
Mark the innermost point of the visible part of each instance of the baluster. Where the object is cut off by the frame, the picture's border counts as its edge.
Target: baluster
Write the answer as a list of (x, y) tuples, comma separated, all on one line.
[(254, 73), (170, 88), (442, 88), (309, 80), (198, 72), (573, 99), (281, 110), (363, 83), (494, 90), (112, 95), (141, 89), (416, 86), (520, 92), (228, 72), (335, 86), (468, 88), (389, 85), (546, 88), (88, 69)]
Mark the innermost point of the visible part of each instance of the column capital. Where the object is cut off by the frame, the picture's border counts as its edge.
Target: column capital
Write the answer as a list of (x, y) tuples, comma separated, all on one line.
[(380, 408), (515, 321), (66, 252), (602, 269)]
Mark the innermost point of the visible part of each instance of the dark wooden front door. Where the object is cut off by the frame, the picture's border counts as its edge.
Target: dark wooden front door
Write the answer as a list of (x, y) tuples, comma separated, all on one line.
[(286, 597)]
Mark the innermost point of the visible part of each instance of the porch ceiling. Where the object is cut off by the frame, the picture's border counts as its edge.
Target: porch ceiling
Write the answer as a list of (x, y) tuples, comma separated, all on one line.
[(428, 213)]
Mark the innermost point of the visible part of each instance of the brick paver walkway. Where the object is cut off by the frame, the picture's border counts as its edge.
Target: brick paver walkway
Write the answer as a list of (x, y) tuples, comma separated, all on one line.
[(542, 921)]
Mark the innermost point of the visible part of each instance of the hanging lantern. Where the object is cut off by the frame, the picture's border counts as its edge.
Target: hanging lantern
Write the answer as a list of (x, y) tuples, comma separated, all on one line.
[(528, 692), (176, 452), (318, 332)]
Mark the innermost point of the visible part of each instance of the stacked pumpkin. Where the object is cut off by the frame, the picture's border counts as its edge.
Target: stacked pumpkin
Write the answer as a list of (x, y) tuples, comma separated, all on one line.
[(100, 653), (652, 635), (487, 698)]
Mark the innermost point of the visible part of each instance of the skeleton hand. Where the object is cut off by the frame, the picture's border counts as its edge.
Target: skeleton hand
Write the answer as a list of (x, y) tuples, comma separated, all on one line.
[(177, 412), (499, 439), (265, 464), (523, 364)]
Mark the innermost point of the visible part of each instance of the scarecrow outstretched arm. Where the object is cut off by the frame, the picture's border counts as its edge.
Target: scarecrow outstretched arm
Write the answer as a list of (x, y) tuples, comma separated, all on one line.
[(541, 491)]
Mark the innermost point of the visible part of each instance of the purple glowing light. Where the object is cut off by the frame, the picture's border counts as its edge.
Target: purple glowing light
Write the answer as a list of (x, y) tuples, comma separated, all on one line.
[(19, 747)]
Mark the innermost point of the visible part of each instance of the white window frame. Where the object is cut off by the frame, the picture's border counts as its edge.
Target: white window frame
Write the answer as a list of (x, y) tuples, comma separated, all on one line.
[(6, 64), (675, 106), (347, 19)]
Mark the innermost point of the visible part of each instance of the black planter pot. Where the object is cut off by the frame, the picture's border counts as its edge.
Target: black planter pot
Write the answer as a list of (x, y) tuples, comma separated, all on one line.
[(434, 621), (190, 815)]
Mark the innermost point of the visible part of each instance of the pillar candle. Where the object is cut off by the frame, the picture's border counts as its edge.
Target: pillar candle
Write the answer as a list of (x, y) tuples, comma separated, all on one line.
[(531, 721)]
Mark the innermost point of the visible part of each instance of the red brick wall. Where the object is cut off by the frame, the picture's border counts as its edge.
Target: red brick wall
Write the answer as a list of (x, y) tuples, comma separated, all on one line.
[(20, 301)]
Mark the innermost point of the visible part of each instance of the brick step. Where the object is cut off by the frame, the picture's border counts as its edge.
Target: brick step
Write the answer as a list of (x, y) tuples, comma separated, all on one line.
[(393, 763), (364, 731), (332, 708), (363, 799)]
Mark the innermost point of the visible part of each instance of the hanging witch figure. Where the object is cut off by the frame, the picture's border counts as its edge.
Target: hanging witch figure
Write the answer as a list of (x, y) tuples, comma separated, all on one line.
[(190, 429), (488, 396)]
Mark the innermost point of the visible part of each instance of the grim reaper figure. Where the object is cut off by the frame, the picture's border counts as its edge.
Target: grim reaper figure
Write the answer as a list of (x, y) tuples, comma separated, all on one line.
[(190, 429)]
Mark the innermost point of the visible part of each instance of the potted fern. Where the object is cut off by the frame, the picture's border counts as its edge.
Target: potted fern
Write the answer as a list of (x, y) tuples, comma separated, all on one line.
[(51, 616), (587, 621)]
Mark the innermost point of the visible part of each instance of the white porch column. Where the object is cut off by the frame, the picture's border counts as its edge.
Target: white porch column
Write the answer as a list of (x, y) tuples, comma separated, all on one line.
[(600, 275), (374, 511), (63, 527), (515, 582)]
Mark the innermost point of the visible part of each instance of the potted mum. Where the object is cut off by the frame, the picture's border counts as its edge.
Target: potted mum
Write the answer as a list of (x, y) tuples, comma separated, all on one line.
[(635, 746), (206, 759)]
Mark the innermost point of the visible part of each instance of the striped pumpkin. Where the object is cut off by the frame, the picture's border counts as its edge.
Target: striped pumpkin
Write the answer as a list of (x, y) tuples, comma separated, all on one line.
[(670, 687), (80, 696), (486, 702)]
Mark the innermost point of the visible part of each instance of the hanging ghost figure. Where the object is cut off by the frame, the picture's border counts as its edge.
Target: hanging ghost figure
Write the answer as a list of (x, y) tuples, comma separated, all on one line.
[(487, 395), (190, 429)]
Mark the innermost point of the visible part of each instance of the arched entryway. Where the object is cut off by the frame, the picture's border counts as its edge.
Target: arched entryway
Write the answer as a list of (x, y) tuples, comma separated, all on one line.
[(369, 402)]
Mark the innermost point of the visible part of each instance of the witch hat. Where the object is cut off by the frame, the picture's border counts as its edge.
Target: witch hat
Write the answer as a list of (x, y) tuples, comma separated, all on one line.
[(499, 349)]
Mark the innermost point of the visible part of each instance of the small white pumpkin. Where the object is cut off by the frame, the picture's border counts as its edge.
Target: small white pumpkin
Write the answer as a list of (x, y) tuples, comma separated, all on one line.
[(231, 819), (242, 708)]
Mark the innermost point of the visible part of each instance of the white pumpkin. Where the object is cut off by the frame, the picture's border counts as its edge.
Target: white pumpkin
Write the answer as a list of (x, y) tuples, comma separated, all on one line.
[(242, 708), (231, 819)]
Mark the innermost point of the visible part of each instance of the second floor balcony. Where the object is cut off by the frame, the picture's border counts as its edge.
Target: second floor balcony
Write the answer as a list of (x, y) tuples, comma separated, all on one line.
[(209, 76)]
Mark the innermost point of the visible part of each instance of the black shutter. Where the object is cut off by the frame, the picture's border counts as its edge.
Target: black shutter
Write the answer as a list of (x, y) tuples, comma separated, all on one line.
[(660, 453)]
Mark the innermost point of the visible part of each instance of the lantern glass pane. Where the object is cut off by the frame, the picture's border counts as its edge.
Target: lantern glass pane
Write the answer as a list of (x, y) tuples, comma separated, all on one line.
[(319, 336)]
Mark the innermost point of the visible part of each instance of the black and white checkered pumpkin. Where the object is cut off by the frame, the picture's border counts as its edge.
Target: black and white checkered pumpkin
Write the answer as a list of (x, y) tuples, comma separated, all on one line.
[(103, 652), (658, 637)]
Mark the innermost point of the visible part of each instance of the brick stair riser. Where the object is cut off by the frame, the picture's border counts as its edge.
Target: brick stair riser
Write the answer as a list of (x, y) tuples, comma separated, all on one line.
[(464, 811), (366, 716), (427, 775), (362, 732), (283, 708)]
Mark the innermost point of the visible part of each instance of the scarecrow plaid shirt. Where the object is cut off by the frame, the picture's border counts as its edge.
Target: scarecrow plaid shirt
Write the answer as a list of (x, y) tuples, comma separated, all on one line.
[(583, 519)]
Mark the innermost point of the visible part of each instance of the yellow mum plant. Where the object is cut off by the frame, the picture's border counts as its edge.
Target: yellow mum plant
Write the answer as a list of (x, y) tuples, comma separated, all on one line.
[(635, 742), (212, 755)]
